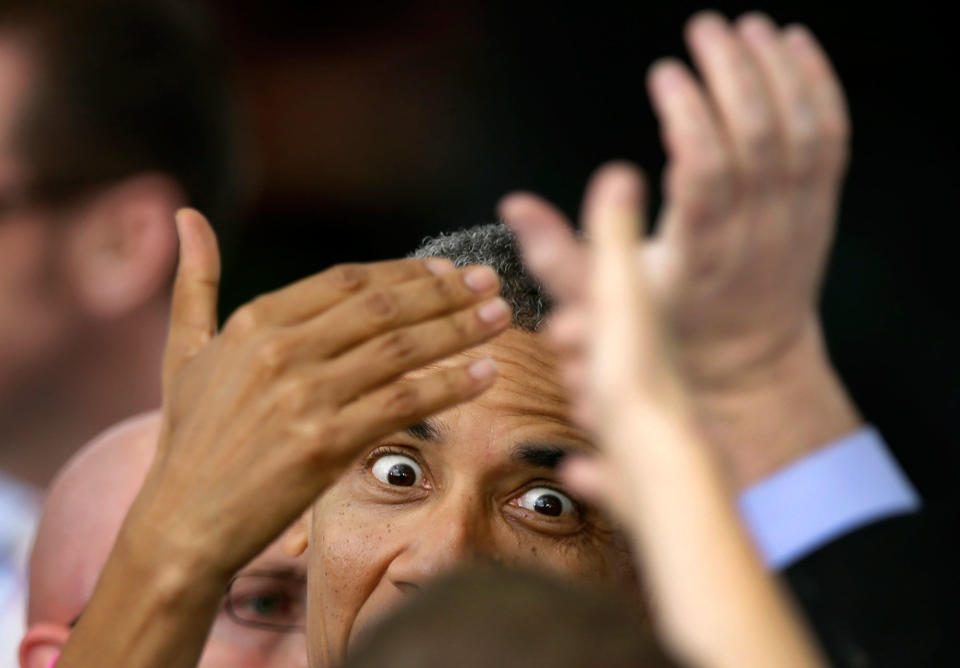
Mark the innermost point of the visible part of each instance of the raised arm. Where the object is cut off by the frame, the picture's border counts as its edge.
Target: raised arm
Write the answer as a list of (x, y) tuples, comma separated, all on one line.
[(713, 600), (757, 150), (260, 418)]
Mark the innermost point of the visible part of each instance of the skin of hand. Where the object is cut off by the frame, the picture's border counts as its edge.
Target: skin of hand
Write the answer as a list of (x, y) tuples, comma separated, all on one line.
[(273, 407), (714, 602), (757, 152)]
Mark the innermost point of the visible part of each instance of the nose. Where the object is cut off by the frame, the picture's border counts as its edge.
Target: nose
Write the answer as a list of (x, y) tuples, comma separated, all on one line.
[(451, 533)]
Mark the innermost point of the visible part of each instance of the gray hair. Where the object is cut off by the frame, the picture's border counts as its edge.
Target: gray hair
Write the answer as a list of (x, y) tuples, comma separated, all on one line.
[(494, 245)]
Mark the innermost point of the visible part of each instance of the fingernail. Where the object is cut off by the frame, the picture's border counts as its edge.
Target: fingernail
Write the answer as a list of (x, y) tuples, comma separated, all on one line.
[(482, 369), (756, 28), (438, 265), (710, 25), (493, 310), (666, 77), (480, 278)]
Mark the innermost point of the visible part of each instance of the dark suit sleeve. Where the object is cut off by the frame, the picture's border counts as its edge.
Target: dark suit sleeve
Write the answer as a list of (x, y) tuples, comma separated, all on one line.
[(884, 595)]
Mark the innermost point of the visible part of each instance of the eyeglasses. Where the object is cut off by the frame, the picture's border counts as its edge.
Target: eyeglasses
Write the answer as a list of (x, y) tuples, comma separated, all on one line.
[(272, 600)]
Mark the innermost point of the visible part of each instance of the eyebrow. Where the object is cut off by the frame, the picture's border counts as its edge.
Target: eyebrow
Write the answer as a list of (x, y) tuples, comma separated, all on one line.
[(541, 455), (425, 430)]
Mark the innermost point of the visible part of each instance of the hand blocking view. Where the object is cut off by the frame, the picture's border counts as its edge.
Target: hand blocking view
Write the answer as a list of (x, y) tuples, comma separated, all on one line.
[(260, 418), (756, 152), (656, 471)]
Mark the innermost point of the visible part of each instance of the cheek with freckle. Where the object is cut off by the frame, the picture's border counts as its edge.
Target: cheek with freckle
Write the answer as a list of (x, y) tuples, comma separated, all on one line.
[(350, 549)]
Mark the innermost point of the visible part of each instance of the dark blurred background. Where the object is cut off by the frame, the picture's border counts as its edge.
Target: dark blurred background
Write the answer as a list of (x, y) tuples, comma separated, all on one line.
[(374, 124)]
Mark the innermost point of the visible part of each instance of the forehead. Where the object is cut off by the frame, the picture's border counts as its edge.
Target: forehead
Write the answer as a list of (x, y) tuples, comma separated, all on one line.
[(526, 401)]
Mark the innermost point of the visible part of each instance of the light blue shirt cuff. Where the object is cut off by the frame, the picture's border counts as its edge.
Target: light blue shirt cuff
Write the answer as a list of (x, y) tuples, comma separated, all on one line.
[(847, 484)]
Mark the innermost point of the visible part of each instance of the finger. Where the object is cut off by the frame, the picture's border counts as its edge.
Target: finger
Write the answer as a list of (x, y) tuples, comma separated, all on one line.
[(828, 99), (790, 96), (379, 360), (613, 217), (193, 310), (313, 295), (591, 479), (613, 204), (738, 92), (379, 310), (547, 243), (569, 329), (700, 179), (621, 316), (406, 402)]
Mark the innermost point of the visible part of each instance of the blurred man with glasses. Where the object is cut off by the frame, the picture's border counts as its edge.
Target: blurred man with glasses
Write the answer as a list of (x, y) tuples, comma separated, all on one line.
[(260, 622), (112, 115)]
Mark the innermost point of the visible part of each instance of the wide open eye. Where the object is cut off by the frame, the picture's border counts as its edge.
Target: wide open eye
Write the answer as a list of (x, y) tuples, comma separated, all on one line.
[(400, 470), (547, 501)]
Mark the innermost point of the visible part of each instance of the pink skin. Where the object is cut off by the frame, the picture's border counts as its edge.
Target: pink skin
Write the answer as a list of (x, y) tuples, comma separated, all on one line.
[(81, 518), (372, 542)]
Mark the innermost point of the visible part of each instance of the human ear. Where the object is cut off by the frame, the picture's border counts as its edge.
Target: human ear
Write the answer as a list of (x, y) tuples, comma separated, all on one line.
[(121, 247), (41, 644), (297, 536)]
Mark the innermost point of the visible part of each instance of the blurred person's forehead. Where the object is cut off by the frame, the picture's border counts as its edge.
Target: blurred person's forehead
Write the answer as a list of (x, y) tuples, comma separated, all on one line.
[(82, 515)]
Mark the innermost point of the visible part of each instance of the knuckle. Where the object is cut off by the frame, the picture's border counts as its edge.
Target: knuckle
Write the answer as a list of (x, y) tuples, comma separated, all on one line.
[(402, 401), (271, 353), (293, 396), (459, 327), (245, 319), (348, 277), (380, 305), (455, 382), (443, 288), (397, 347), (324, 436)]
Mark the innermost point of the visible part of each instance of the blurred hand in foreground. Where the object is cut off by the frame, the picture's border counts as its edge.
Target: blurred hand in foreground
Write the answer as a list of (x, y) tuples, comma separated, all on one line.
[(713, 599), (756, 157), (259, 419)]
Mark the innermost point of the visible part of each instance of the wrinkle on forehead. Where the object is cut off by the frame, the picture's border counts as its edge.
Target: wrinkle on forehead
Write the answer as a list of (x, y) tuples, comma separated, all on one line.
[(527, 385)]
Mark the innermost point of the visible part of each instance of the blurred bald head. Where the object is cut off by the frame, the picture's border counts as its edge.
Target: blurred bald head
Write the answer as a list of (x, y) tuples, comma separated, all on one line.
[(85, 507), (82, 516)]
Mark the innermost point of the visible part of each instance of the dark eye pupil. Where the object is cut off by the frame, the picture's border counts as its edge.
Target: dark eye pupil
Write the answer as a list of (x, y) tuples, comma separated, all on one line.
[(401, 474), (548, 504), (265, 605)]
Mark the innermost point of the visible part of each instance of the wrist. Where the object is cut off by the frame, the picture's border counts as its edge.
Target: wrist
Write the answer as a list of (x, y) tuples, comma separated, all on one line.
[(778, 413), (178, 573), (157, 537), (157, 605)]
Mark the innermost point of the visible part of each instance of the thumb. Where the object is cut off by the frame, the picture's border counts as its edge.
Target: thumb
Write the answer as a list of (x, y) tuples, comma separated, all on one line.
[(193, 311)]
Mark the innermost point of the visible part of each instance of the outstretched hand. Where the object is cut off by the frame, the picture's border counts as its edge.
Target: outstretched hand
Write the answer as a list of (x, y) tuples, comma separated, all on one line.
[(756, 156), (282, 400), (714, 602)]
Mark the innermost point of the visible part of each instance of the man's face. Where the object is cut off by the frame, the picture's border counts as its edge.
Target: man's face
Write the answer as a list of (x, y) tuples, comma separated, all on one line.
[(269, 590), (33, 318), (475, 482)]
